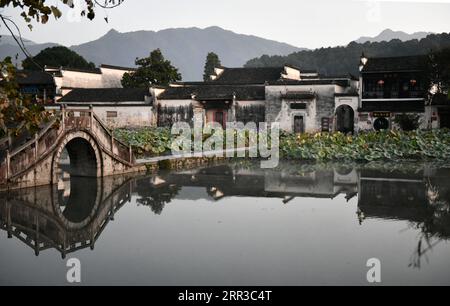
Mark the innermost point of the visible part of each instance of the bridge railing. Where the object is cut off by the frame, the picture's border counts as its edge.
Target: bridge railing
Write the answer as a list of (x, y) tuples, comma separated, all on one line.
[(87, 119), (118, 148), (21, 158)]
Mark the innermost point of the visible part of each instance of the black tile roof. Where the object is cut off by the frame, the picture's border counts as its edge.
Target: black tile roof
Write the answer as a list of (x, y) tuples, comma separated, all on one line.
[(305, 71), (30, 77), (342, 82), (339, 76), (258, 75), (392, 64), (94, 70), (214, 92), (117, 67), (89, 95)]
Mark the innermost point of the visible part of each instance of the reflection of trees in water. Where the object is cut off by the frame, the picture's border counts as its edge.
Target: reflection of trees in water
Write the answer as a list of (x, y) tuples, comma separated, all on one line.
[(435, 226), (155, 197)]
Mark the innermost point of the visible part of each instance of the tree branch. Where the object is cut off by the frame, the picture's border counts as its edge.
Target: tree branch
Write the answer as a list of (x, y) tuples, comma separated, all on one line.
[(19, 43)]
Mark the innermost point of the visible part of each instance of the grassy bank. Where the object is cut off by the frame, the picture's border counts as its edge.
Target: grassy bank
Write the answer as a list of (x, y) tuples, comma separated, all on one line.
[(369, 146)]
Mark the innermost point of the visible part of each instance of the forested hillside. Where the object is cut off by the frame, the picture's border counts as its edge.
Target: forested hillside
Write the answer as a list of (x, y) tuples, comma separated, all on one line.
[(343, 60)]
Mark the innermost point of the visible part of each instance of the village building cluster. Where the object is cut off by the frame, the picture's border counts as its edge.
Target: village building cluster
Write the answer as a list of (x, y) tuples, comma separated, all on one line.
[(300, 100)]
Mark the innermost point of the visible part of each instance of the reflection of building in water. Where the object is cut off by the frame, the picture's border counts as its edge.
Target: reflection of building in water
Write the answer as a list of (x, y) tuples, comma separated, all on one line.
[(45, 217), (381, 194), (421, 197), (318, 183), (223, 181), (399, 196)]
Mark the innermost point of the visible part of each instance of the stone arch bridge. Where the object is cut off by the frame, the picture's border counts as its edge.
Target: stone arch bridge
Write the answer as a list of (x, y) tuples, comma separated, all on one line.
[(93, 152)]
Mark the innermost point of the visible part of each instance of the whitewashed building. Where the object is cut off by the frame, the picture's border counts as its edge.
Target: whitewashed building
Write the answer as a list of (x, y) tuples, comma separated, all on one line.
[(106, 76), (117, 107), (313, 105), (300, 100)]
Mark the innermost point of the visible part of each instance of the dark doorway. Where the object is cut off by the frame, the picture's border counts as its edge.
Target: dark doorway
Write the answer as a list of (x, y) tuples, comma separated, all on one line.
[(444, 118), (218, 117), (299, 125), (345, 119)]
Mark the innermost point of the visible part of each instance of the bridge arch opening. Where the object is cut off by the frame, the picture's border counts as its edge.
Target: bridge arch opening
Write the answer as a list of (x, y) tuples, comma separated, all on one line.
[(79, 158), (76, 171)]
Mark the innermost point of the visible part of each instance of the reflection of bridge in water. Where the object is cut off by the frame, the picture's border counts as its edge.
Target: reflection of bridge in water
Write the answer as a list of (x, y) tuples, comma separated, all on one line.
[(72, 216), (67, 219)]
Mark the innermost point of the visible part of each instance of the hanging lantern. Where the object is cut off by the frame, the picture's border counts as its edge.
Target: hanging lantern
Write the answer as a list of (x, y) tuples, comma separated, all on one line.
[(363, 59)]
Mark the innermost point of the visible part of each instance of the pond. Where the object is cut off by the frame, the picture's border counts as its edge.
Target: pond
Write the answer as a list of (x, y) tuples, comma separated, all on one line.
[(233, 224)]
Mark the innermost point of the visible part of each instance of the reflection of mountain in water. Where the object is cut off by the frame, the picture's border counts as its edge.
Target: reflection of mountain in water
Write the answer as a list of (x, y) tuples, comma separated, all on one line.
[(73, 217)]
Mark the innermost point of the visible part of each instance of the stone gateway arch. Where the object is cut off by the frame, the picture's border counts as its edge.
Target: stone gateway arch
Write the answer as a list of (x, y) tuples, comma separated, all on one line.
[(91, 147)]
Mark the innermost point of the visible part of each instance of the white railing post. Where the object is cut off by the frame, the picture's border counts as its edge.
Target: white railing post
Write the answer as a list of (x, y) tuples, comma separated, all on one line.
[(91, 109), (8, 220), (130, 154), (63, 111), (36, 151), (112, 143), (8, 161), (9, 139)]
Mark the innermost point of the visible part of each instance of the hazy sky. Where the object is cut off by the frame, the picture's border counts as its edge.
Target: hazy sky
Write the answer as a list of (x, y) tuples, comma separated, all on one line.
[(301, 23)]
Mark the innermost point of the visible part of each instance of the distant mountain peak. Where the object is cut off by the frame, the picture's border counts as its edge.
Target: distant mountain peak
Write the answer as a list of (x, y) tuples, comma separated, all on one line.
[(389, 34), (388, 30), (112, 32), (186, 48), (215, 28)]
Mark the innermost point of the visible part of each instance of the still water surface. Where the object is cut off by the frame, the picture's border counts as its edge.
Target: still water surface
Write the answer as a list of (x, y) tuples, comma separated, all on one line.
[(233, 224)]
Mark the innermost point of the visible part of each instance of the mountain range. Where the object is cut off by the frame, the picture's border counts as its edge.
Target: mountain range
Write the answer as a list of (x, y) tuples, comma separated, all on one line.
[(342, 60), (186, 48), (388, 35)]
